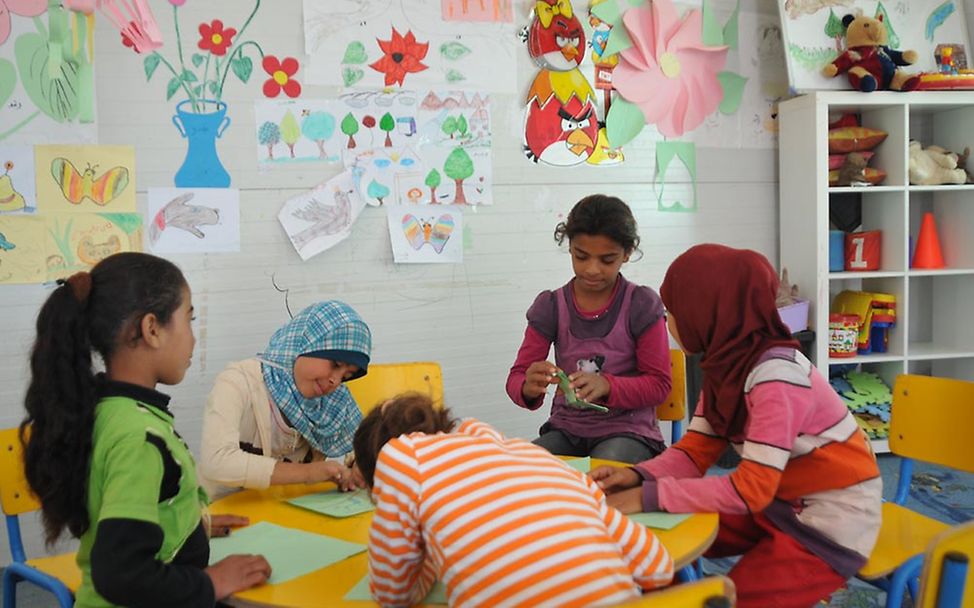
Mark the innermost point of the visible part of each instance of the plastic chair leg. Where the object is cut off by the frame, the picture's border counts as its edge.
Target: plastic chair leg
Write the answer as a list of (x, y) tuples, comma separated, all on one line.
[(9, 589), (687, 574), (24, 572), (904, 575)]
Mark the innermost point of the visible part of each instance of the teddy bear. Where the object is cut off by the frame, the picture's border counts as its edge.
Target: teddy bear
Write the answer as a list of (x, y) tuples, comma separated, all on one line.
[(934, 165), (853, 170), (870, 63)]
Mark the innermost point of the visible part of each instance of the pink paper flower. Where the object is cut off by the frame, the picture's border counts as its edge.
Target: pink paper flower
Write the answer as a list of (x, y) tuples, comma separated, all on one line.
[(177, 2), (669, 72), (24, 8)]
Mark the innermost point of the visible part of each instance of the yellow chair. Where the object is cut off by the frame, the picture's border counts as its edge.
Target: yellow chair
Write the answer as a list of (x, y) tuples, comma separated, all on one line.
[(711, 592), (931, 421), (674, 409), (58, 574), (386, 380), (948, 574)]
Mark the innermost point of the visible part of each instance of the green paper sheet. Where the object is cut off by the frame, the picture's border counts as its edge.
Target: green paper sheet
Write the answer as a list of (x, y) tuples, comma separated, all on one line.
[(624, 122), (713, 34), (290, 552), (659, 519), (611, 12), (733, 85), (686, 151), (580, 464), (730, 28), (360, 592), (572, 399), (335, 503)]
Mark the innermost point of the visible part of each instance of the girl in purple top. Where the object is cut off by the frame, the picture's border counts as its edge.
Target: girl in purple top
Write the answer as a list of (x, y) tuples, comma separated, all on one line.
[(609, 338)]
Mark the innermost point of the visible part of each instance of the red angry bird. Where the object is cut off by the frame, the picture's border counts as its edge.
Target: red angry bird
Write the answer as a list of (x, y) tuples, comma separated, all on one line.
[(556, 40), (561, 134)]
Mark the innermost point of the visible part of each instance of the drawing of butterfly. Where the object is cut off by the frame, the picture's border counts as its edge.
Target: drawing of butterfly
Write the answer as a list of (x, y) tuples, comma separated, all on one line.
[(420, 231), (76, 185)]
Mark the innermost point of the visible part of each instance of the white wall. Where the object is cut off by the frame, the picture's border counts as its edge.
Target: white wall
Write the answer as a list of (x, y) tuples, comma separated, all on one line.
[(469, 317)]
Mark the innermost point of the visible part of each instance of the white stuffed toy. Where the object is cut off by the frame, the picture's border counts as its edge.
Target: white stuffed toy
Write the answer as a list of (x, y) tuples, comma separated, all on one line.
[(934, 165)]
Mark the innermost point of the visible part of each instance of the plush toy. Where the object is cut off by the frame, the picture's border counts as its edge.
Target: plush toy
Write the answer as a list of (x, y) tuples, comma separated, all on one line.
[(962, 163), (870, 63), (934, 165), (853, 170)]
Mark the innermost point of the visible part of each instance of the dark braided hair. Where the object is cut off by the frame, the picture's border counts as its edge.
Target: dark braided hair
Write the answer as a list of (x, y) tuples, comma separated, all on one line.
[(600, 214), (95, 312)]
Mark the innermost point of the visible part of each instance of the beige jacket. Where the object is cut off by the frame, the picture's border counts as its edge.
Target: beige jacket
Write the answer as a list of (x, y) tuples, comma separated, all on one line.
[(238, 411)]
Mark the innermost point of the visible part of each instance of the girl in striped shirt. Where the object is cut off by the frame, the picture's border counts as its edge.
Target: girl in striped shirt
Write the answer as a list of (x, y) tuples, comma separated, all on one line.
[(500, 521)]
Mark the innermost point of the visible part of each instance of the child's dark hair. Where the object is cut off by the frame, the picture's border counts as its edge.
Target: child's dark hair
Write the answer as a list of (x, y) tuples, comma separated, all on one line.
[(96, 311), (403, 414), (600, 214)]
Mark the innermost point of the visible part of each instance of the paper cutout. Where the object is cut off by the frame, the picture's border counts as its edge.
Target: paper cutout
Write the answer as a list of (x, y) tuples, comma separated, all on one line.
[(659, 520), (335, 503), (85, 178), (22, 249), (134, 19), (733, 87), (426, 234), (290, 552), (17, 186), (281, 74), (624, 122), (673, 194), (360, 592), (731, 27), (467, 10), (78, 241), (580, 464), (348, 29), (197, 220), (611, 12), (321, 218), (711, 34), (572, 399)]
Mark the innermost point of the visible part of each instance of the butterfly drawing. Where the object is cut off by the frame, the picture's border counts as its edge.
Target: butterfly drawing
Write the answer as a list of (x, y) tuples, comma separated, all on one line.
[(77, 185), (420, 231)]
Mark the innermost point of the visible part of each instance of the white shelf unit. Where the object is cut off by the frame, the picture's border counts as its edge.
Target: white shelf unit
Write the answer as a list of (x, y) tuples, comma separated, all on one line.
[(934, 332)]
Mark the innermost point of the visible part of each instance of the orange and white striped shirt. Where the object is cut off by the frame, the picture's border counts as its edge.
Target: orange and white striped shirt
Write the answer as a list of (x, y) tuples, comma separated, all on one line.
[(502, 523)]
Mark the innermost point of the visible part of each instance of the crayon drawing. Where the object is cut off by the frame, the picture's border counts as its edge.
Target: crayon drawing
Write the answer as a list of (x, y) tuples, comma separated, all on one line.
[(426, 234), (22, 250), (193, 220), (17, 188), (78, 241), (477, 10), (321, 218), (85, 178)]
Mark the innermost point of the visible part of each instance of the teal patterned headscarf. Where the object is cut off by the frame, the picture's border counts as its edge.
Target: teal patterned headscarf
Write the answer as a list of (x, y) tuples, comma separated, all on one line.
[(327, 330)]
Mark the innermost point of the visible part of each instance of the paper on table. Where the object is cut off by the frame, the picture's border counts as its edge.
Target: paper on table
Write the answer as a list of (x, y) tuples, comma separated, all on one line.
[(290, 552), (335, 503), (580, 464), (659, 519), (360, 592)]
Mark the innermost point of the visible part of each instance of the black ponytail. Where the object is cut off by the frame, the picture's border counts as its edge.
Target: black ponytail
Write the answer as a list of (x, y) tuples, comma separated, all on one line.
[(85, 314)]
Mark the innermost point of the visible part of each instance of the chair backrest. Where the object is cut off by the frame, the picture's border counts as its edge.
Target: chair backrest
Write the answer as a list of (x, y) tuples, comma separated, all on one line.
[(932, 420), (675, 406), (710, 592), (386, 380), (15, 495), (948, 569)]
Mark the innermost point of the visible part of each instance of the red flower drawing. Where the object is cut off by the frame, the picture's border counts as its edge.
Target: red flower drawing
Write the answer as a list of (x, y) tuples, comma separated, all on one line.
[(128, 41), (214, 38), (281, 76), (402, 56)]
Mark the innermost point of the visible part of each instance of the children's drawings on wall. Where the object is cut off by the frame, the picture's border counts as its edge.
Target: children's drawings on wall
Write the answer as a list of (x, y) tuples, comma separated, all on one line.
[(321, 218), (197, 220), (477, 10), (85, 178), (426, 234), (374, 173), (22, 250), (78, 241), (372, 44), (814, 36), (17, 188)]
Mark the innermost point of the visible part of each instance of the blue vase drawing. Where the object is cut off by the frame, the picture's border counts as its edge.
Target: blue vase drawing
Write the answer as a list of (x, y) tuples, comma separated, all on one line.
[(202, 167)]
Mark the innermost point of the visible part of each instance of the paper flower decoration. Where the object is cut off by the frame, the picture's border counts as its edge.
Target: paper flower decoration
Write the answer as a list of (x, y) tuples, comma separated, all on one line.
[(24, 8), (177, 2), (402, 55), (669, 72), (281, 76), (128, 42), (214, 38)]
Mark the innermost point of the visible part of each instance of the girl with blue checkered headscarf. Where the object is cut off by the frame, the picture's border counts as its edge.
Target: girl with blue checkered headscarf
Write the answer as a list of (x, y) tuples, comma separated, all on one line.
[(272, 419)]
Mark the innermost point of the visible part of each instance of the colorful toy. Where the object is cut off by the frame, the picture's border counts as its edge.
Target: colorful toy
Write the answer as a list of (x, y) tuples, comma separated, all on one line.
[(876, 313), (872, 65), (572, 399), (863, 250), (934, 165), (843, 335)]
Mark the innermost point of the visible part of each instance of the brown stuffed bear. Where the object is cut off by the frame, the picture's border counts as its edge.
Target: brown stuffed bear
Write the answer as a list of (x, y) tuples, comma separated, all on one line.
[(870, 63)]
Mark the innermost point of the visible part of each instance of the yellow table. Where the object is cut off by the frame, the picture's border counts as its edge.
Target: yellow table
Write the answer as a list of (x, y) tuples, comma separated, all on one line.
[(328, 586)]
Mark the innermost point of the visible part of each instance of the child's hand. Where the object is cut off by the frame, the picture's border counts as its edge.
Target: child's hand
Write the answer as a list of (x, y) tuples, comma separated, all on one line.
[(353, 481), (590, 386), (615, 479), (537, 378), (222, 525), (328, 470), (238, 572), (627, 501)]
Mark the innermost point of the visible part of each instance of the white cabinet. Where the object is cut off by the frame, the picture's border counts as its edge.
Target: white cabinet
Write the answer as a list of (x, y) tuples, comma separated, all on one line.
[(934, 332)]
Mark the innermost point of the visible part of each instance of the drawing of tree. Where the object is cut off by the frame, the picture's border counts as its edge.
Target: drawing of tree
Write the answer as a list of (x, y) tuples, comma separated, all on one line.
[(318, 127), (269, 135), (326, 219), (387, 123), (462, 126), (350, 128), (458, 167), (377, 191), (835, 29), (892, 40), (290, 131), (433, 182), (449, 126)]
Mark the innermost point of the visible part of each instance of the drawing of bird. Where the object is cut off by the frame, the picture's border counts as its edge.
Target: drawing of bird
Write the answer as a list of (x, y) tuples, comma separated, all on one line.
[(556, 40), (561, 127)]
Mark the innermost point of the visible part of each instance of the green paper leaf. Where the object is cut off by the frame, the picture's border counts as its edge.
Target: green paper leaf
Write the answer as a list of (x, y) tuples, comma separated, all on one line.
[(733, 85), (173, 86), (453, 50), (454, 76), (150, 64), (188, 76), (242, 67), (197, 60), (618, 41), (56, 97), (666, 151), (351, 75), (730, 28), (712, 34), (8, 80), (355, 53), (624, 122)]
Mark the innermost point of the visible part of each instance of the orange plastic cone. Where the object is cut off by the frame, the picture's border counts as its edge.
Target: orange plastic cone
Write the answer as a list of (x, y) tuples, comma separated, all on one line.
[(928, 254)]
